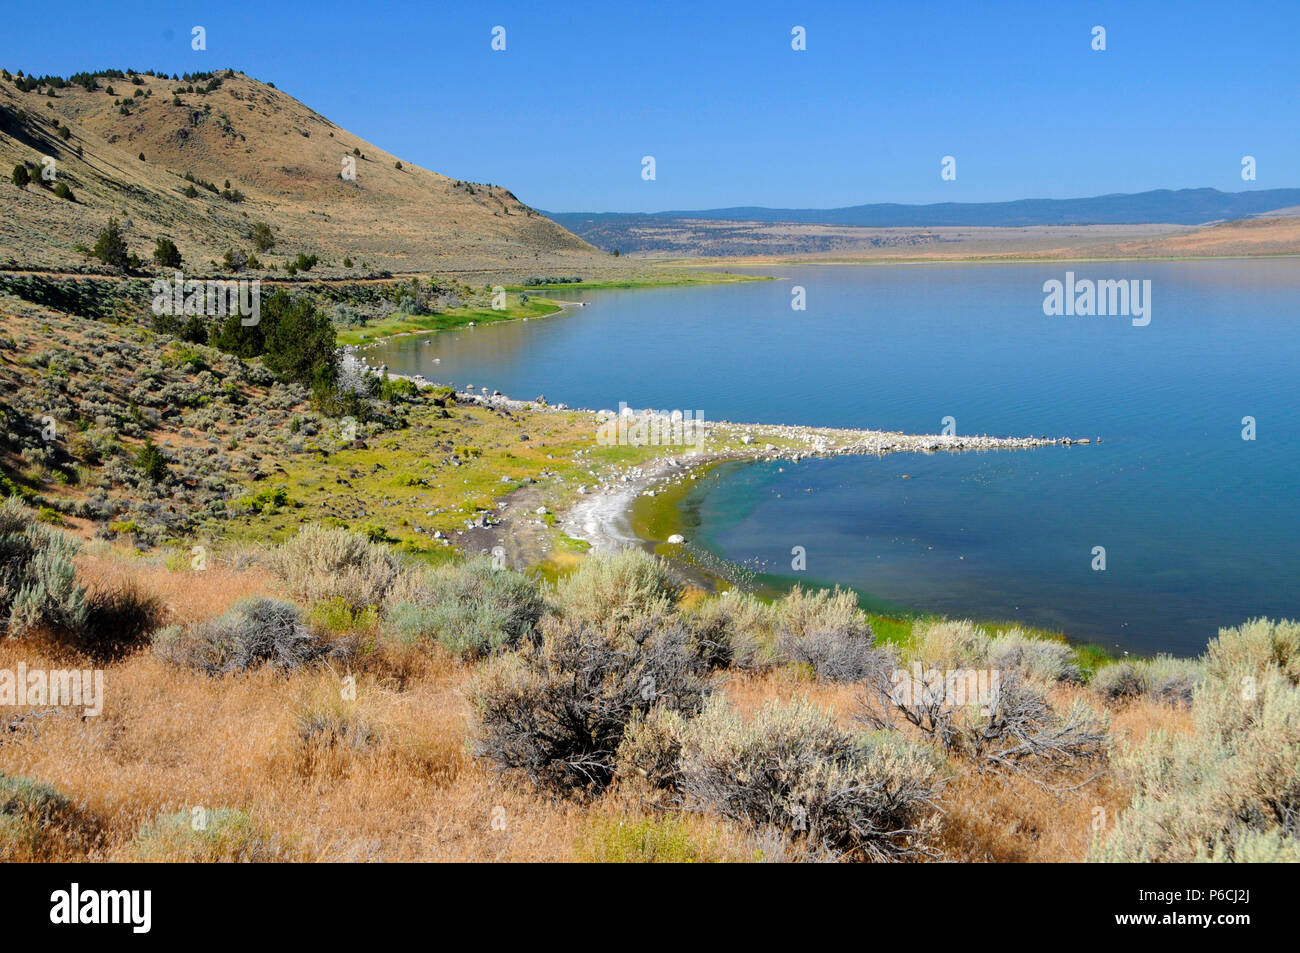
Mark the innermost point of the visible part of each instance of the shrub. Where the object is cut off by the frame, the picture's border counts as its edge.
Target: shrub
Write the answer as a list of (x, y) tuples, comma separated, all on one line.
[(337, 616), (614, 589), (320, 564), (166, 253), (1258, 645), (221, 835), (1008, 725), (793, 770), (254, 632), (62, 191), (299, 341), (556, 711), (38, 581), (471, 609), (1044, 660), (1162, 679), (151, 462), (836, 656), (826, 631), (21, 177), (234, 260), (37, 823), (731, 630), (1229, 790), (119, 620), (263, 237), (803, 612), (651, 750), (643, 841), (110, 247), (954, 642)]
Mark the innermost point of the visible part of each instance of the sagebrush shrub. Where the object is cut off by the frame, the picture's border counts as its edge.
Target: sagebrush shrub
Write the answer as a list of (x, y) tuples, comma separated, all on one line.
[(1044, 660), (651, 750), (734, 631), (321, 564), (954, 642), (253, 632), (614, 589), (1161, 679), (38, 581), (221, 835), (1012, 727), (556, 711), (836, 656), (119, 620), (828, 632), (792, 769), (802, 612), (1257, 645), (37, 823), (471, 608), (1229, 790)]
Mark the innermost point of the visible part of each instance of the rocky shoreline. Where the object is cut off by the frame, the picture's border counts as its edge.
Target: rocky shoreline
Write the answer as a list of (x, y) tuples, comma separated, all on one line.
[(600, 515)]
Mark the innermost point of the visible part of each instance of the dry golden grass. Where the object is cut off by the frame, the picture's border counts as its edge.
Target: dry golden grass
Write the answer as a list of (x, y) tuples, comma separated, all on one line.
[(187, 596), (170, 740), (286, 159)]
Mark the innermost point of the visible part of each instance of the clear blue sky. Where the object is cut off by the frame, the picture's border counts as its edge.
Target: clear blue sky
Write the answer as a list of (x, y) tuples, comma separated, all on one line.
[(731, 114)]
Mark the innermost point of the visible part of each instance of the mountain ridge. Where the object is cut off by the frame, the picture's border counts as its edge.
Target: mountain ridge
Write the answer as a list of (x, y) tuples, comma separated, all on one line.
[(1156, 206)]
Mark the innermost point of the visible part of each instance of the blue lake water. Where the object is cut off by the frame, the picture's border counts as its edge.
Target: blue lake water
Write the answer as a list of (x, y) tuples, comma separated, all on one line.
[(1200, 527)]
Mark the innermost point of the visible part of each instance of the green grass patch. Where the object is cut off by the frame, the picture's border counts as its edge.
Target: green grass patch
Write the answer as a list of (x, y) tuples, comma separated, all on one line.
[(446, 320), (663, 281)]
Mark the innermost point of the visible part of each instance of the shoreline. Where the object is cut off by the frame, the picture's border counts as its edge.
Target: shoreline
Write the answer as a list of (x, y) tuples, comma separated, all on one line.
[(601, 515), (604, 519)]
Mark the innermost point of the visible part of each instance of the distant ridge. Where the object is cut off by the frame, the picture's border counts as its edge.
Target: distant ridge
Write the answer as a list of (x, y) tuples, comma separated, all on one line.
[(1160, 206)]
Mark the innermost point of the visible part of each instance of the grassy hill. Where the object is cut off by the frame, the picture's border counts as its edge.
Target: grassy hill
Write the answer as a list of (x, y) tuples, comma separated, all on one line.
[(202, 159)]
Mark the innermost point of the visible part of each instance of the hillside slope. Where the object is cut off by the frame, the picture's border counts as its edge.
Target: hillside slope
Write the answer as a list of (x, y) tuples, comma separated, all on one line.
[(285, 160)]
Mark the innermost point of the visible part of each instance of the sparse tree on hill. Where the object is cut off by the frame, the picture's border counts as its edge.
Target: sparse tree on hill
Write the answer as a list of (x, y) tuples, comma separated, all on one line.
[(20, 176), (263, 237), (167, 254), (149, 460), (110, 247), (234, 260)]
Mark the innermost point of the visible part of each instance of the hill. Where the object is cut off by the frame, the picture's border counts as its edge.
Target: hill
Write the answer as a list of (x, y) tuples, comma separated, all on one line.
[(202, 158)]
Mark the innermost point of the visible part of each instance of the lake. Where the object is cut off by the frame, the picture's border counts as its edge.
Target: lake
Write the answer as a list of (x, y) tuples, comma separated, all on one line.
[(1199, 526)]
